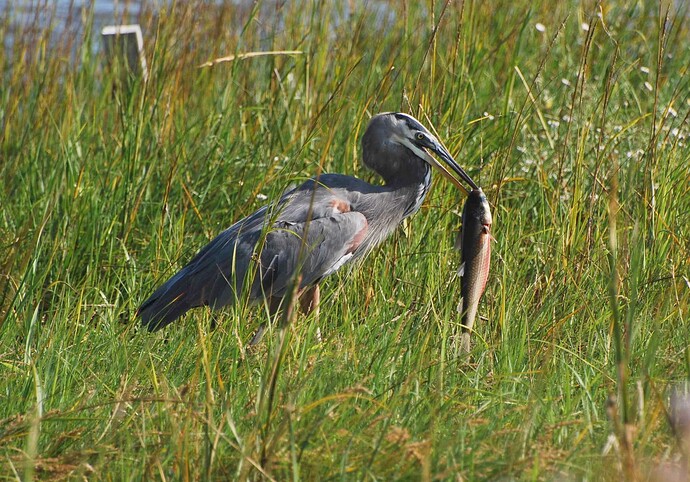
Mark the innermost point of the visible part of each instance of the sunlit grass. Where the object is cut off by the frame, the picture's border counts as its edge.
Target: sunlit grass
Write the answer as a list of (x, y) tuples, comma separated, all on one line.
[(568, 127)]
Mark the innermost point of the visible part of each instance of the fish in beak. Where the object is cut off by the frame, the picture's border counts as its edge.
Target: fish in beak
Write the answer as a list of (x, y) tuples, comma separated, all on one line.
[(458, 173), (474, 242)]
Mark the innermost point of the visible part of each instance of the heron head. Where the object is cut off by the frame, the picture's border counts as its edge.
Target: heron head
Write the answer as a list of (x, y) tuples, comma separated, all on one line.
[(406, 131)]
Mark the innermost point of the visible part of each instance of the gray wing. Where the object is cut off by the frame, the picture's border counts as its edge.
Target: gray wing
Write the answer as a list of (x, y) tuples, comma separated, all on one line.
[(315, 250), (212, 277), (216, 275)]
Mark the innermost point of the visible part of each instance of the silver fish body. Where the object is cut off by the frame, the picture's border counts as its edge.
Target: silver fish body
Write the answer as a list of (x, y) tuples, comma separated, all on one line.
[(474, 242)]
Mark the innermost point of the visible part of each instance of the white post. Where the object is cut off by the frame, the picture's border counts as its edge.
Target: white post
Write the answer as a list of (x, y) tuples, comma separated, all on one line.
[(125, 42)]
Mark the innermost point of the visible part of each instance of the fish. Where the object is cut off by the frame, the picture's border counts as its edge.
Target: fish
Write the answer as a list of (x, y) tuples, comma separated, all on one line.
[(474, 243)]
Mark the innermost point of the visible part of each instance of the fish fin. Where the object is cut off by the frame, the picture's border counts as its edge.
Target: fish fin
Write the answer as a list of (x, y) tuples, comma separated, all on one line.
[(458, 241), (461, 270)]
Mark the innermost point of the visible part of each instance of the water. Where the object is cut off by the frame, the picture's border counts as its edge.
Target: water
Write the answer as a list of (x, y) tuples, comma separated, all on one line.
[(61, 14), (105, 12), (63, 17)]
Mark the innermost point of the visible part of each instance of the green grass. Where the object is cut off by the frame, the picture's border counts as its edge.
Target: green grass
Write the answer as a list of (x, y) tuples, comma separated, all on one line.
[(579, 137)]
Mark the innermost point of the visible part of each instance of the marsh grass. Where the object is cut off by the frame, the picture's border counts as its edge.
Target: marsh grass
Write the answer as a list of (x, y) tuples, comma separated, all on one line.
[(578, 134)]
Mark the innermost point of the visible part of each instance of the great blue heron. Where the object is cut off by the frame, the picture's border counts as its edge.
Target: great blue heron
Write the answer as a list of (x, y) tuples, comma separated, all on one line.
[(314, 229)]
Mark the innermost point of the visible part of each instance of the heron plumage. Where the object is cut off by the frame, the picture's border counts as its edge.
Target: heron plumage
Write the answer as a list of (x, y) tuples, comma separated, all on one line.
[(313, 230)]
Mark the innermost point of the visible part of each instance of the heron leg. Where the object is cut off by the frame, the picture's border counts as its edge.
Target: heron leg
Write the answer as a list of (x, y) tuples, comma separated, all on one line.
[(309, 300), (258, 335), (274, 306), (309, 303)]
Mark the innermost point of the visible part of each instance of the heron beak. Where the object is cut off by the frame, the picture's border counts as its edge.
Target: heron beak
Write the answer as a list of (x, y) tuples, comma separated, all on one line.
[(441, 151)]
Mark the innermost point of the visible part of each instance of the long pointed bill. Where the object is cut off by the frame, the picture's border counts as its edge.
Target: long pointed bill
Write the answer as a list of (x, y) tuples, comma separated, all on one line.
[(459, 171)]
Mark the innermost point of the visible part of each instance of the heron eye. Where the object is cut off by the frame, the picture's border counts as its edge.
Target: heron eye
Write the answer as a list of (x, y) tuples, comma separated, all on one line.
[(420, 136)]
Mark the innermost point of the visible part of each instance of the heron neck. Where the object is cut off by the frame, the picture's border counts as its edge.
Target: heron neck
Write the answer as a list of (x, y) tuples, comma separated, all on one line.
[(411, 192)]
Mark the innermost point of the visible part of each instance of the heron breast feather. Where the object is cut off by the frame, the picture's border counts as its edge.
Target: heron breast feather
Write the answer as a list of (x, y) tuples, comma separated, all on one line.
[(340, 206)]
